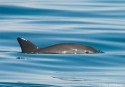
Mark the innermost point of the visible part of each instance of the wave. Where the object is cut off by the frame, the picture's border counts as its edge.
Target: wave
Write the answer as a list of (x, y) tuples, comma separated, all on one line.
[(20, 10), (21, 84)]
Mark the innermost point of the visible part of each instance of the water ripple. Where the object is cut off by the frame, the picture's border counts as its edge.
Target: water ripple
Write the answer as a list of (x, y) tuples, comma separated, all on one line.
[(19, 10), (98, 23)]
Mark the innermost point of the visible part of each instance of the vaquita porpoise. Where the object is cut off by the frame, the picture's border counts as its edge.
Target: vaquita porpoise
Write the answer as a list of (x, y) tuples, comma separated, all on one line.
[(63, 48)]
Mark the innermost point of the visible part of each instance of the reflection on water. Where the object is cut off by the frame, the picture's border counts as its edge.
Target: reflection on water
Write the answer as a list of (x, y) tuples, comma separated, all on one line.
[(98, 23)]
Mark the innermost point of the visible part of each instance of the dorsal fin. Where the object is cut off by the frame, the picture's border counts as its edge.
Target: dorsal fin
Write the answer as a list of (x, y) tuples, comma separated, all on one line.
[(26, 45)]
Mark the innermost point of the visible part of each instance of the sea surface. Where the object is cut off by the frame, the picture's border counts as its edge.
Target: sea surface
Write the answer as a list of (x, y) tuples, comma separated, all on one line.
[(97, 23)]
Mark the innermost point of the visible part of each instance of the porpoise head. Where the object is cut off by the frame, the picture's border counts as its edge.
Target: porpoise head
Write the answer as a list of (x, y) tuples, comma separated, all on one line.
[(89, 49)]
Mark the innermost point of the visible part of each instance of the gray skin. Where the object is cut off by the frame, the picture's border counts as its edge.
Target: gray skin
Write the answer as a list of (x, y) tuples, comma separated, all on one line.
[(63, 48)]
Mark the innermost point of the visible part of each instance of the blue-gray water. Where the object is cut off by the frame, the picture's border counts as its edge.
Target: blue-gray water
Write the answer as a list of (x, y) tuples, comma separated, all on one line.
[(98, 23)]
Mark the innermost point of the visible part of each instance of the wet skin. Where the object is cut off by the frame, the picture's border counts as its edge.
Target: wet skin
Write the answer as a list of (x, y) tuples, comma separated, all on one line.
[(63, 48)]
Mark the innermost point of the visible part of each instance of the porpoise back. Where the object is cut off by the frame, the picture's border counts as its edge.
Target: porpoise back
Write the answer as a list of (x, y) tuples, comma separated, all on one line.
[(63, 48)]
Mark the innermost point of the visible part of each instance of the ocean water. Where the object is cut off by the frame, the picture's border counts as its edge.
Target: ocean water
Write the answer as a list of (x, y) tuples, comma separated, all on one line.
[(98, 23)]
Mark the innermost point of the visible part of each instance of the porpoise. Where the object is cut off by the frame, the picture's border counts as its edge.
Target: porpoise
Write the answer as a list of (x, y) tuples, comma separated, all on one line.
[(62, 48)]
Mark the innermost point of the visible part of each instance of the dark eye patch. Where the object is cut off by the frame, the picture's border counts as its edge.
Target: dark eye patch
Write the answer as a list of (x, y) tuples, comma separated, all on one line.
[(87, 52)]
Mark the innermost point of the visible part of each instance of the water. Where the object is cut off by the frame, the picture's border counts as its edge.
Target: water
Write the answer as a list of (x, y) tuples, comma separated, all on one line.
[(98, 23)]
